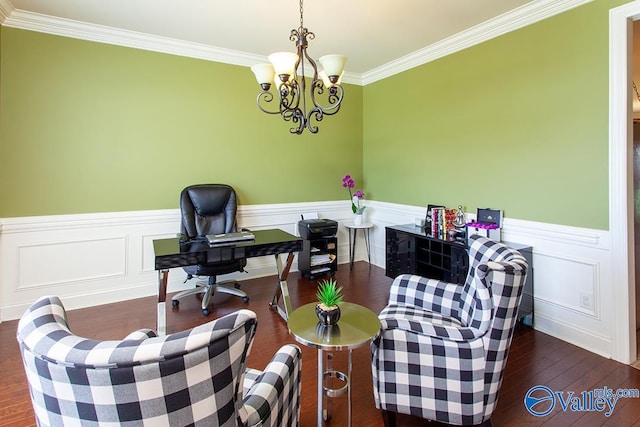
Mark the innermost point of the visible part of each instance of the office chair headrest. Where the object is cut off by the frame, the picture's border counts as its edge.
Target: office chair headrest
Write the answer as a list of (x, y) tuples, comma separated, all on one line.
[(209, 200)]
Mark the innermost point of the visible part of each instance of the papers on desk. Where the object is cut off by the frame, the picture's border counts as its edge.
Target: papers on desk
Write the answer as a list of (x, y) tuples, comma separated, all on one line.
[(229, 238)]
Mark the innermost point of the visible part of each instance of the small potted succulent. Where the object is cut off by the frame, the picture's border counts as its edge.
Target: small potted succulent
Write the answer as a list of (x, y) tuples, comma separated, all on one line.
[(329, 295)]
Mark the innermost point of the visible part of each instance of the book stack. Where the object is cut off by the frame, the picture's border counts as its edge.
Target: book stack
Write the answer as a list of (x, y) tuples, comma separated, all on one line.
[(442, 222)]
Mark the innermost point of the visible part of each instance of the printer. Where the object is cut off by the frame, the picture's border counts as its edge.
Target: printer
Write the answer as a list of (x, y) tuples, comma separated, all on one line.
[(317, 228)]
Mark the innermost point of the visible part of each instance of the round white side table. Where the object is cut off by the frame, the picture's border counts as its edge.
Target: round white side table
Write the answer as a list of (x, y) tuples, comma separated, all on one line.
[(353, 229)]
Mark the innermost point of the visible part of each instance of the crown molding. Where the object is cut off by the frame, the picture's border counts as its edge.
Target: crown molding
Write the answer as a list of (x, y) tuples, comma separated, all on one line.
[(530, 13), (515, 19), (115, 36), (6, 8)]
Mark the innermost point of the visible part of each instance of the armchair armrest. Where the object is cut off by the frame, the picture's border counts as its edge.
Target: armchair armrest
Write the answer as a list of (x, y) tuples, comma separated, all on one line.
[(428, 294), (272, 397), (436, 326)]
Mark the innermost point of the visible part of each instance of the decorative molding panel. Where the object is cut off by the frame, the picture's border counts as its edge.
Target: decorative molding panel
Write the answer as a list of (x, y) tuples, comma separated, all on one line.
[(571, 266), (568, 263), (530, 13), (91, 259), (69, 262), (581, 274)]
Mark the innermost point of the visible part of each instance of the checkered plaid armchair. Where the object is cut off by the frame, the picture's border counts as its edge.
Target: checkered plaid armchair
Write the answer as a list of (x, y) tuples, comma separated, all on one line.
[(442, 347), (196, 377)]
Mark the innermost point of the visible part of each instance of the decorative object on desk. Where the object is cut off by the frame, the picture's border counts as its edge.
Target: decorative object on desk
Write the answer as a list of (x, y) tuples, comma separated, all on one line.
[(488, 223), (329, 295), (291, 85), (460, 221), (356, 197), (428, 220), (445, 223), (358, 219)]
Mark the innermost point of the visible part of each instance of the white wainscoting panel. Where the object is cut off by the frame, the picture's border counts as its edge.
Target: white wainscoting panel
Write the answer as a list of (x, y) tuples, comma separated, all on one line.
[(568, 263), (71, 261), (92, 259)]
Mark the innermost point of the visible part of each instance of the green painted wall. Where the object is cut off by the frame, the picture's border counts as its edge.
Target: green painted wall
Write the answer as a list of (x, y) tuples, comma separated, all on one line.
[(518, 123), (90, 127)]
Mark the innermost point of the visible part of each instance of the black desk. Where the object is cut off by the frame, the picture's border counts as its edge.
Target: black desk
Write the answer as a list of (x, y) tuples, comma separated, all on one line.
[(172, 253)]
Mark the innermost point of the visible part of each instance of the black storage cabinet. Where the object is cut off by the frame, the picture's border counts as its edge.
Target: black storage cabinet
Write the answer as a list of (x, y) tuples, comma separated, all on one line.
[(410, 250)]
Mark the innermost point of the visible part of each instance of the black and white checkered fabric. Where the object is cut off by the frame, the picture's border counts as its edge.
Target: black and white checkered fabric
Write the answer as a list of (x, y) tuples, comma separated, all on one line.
[(195, 377), (442, 347)]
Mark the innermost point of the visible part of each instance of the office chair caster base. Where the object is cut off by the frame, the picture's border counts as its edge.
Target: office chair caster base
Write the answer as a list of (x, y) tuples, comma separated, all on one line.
[(206, 312), (175, 303), (245, 299)]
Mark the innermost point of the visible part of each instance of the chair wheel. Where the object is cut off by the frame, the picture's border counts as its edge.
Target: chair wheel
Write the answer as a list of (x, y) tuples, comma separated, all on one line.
[(175, 302), (245, 299), (205, 312)]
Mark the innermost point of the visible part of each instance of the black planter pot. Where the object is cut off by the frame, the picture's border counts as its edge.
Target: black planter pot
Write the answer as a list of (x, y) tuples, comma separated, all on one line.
[(328, 317)]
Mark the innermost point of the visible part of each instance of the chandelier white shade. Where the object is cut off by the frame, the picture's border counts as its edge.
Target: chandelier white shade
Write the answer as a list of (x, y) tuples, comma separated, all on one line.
[(287, 71)]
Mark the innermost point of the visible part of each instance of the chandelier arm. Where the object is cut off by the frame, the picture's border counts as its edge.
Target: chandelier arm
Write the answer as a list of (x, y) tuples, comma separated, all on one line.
[(316, 114), (296, 116), (335, 95), (267, 97), (289, 95)]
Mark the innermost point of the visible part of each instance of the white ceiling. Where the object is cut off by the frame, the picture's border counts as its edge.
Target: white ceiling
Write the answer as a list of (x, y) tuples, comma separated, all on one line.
[(372, 34)]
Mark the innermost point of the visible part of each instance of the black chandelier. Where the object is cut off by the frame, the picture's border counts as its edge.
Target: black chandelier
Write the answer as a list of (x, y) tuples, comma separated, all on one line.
[(291, 84)]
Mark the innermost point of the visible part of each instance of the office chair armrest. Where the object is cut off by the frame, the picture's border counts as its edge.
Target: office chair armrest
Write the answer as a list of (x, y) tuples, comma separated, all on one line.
[(141, 334), (276, 390)]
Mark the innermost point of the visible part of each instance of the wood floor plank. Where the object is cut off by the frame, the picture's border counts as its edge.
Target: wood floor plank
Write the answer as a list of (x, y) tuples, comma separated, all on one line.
[(535, 358)]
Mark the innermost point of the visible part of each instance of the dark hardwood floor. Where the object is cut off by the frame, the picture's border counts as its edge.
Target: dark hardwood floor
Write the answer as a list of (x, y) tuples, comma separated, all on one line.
[(535, 358)]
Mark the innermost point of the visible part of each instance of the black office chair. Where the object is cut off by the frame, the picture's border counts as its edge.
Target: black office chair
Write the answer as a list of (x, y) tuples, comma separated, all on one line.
[(210, 209)]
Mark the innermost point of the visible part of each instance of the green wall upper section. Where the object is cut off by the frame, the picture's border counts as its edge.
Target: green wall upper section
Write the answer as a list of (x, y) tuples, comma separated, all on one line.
[(91, 127), (518, 123)]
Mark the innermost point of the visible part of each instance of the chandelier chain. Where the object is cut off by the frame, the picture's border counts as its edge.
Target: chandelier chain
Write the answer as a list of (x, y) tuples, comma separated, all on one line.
[(301, 14)]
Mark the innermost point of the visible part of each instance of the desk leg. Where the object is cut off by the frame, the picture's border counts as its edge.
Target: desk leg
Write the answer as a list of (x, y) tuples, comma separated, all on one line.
[(161, 321), (282, 288)]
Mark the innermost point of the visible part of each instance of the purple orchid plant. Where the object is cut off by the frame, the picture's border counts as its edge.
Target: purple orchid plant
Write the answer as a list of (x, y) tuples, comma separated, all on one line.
[(356, 197)]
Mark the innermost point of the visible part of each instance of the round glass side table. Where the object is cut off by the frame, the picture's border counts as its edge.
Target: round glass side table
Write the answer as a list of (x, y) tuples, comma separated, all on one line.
[(357, 325)]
